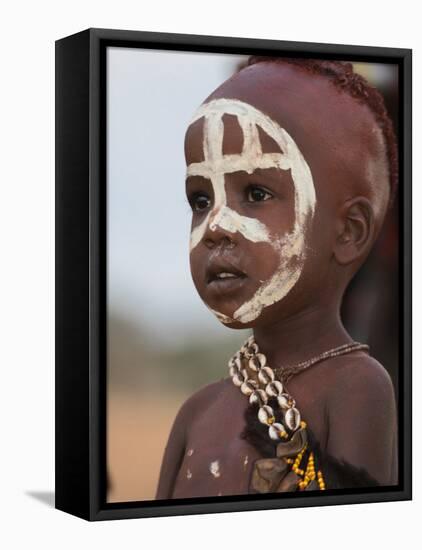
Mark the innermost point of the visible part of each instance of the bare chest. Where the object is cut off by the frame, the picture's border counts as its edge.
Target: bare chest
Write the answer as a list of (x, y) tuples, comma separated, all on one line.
[(216, 460)]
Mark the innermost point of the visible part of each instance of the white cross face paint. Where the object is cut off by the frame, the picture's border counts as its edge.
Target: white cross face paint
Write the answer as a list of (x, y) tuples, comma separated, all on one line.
[(291, 247)]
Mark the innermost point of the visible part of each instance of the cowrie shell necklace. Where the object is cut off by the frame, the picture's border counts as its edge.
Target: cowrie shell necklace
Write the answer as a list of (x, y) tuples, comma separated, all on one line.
[(257, 380)]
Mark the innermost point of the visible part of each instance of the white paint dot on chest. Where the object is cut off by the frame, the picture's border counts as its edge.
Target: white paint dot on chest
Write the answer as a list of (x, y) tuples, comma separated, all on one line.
[(215, 468), (188, 474), (190, 452)]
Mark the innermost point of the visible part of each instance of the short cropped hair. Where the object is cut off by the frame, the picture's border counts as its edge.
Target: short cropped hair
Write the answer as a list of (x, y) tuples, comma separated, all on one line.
[(343, 77)]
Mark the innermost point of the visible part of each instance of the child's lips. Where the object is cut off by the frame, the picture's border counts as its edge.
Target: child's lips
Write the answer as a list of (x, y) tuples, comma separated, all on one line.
[(223, 275), (225, 285)]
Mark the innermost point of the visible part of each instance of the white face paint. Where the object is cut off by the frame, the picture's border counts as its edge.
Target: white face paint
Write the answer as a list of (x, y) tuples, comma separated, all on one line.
[(215, 468), (290, 248)]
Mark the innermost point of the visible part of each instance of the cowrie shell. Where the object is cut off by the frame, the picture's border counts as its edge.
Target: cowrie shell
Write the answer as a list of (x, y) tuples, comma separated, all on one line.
[(266, 375), (258, 396), (275, 429), (257, 361), (231, 362), (236, 361), (274, 388), (233, 370), (264, 413), (253, 348), (248, 387), (292, 418), (283, 400), (238, 379)]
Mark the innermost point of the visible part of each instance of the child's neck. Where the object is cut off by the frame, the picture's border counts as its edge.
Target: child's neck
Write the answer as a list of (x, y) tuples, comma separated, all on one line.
[(301, 337)]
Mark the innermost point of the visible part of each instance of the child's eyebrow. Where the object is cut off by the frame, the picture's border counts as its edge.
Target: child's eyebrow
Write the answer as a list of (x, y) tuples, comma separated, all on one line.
[(197, 182)]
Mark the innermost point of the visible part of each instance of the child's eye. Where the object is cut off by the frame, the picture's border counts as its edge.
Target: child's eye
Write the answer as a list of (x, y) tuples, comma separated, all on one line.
[(256, 194), (199, 201)]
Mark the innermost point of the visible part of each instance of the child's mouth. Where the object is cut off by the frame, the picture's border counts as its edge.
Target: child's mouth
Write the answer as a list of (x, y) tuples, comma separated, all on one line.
[(225, 284), (222, 276)]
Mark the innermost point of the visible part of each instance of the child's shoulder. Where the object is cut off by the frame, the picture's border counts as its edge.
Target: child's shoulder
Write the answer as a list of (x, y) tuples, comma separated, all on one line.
[(362, 417), (203, 398), (361, 381), (205, 394), (360, 372)]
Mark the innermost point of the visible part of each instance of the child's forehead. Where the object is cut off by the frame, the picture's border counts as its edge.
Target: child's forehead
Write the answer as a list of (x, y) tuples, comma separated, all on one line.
[(298, 101), (337, 135), (232, 137)]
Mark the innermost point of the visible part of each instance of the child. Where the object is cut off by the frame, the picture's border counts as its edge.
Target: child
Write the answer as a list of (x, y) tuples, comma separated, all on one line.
[(291, 166)]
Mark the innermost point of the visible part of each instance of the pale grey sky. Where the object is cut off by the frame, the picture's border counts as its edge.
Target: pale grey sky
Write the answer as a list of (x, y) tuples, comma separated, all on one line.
[(151, 98)]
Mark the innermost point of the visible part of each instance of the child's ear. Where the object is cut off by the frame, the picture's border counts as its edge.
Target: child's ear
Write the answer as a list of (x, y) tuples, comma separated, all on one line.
[(355, 230)]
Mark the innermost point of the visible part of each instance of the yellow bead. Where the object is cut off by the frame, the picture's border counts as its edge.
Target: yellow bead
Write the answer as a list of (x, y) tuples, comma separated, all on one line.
[(271, 420)]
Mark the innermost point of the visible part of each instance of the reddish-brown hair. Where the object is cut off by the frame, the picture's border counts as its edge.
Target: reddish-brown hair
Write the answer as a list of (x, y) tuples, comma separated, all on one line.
[(343, 77)]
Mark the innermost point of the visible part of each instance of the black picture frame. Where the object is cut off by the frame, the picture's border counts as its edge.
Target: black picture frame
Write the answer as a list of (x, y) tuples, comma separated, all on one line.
[(81, 272)]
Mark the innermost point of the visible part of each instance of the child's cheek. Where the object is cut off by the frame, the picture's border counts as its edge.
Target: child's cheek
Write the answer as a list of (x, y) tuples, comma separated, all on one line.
[(260, 261)]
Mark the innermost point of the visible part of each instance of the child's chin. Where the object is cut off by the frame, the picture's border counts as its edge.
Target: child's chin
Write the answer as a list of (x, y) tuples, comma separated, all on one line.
[(229, 322)]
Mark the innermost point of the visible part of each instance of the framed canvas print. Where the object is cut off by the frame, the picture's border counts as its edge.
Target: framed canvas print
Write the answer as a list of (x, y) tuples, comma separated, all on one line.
[(233, 285)]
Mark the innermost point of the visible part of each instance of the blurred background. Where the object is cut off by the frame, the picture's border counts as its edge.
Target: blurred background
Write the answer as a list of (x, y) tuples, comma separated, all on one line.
[(163, 342)]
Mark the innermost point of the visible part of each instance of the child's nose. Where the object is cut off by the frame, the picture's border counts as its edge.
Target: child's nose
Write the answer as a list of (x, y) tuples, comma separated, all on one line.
[(217, 216), (217, 229)]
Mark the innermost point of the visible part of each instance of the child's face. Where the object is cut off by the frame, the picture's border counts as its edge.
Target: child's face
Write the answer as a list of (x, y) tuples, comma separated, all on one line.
[(254, 204), (251, 185)]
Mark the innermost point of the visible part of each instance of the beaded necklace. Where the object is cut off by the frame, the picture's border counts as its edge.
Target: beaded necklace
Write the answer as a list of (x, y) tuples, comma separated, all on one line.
[(285, 373), (257, 380)]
